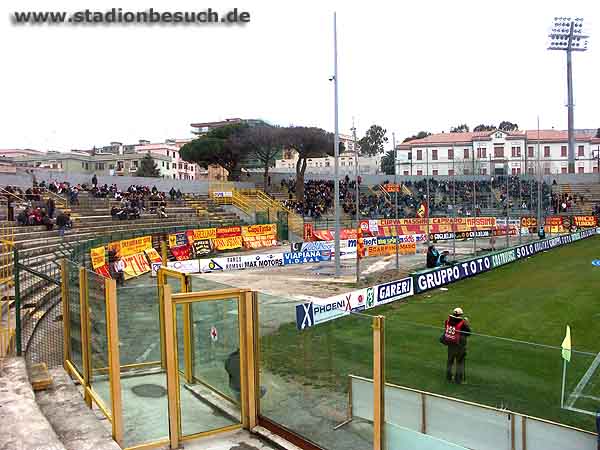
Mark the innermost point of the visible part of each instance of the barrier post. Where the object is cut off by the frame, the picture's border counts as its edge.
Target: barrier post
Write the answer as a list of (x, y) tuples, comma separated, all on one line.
[(85, 336), (17, 286), (172, 385), (64, 289), (163, 253), (114, 365), (378, 382)]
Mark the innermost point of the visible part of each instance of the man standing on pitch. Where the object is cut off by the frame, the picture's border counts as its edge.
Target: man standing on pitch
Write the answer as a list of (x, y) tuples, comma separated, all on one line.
[(456, 331)]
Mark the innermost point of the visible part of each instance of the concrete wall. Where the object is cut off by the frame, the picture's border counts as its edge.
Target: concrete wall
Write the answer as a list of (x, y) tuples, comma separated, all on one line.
[(162, 184), (277, 176)]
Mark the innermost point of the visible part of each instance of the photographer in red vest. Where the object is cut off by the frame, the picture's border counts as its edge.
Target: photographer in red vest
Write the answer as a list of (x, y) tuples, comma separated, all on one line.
[(456, 331)]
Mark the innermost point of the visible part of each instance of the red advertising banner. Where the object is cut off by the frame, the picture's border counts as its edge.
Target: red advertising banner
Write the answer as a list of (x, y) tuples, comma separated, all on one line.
[(227, 232), (585, 221), (326, 235), (308, 232), (181, 253)]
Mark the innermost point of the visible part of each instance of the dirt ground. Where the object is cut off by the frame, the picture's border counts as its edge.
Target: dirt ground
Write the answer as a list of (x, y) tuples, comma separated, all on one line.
[(307, 281)]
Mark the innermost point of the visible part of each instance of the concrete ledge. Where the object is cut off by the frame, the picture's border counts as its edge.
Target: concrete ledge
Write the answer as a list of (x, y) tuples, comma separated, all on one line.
[(75, 424), (24, 427)]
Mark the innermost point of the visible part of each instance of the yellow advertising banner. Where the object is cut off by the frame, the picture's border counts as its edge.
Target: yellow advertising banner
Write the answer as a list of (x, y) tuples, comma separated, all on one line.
[(130, 247), (153, 255), (404, 248), (135, 265), (201, 233), (228, 243), (260, 230), (97, 255)]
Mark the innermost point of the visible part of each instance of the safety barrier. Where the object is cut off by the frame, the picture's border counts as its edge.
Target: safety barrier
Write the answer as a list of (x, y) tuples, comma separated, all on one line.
[(422, 420)]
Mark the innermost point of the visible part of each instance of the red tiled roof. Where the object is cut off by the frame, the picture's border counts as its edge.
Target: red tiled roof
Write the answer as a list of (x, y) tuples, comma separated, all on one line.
[(468, 138), (555, 135), (456, 138)]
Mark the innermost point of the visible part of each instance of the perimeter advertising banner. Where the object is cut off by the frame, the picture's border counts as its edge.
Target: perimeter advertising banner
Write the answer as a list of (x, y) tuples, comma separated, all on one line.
[(227, 232), (391, 227), (227, 243), (257, 236), (324, 310), (178, 239), (404, 248), (129, 247), (97, 256), (135, 265), (449, 274), (201, 233), (585, 221), (306, 257)]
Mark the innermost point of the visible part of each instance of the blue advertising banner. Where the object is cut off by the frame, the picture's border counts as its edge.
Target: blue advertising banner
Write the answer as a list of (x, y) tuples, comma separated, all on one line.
[(306, 257), (449, 274)]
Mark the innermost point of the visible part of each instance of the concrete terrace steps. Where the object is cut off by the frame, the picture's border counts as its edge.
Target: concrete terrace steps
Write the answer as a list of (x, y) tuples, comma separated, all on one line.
[(24, 426), (77, 426)]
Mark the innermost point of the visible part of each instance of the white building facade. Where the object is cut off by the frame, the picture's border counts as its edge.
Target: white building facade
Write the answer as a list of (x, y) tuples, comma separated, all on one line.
[(497, 153)]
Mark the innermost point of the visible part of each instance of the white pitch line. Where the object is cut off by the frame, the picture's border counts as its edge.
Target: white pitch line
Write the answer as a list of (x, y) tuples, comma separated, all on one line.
[(583, 382)]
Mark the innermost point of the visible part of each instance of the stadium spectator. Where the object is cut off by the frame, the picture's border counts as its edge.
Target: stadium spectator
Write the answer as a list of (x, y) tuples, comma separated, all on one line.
[(435, 258), (456, 331), (94, 181), (232, 367), (50, 207), (63, 221)]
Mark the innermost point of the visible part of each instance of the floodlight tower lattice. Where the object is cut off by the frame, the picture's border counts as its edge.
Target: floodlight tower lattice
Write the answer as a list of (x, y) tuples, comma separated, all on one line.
[(567, 35)]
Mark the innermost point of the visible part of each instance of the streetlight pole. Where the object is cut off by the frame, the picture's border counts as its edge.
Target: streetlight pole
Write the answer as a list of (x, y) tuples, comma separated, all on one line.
[(474, 200), (336, 152), (396, 199), (427, 187), (539, 178), (567, 35), (356, 175)]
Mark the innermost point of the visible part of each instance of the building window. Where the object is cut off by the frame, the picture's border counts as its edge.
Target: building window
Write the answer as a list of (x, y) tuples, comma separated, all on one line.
[(516, 152), (483, 171), (406, 173), (435, 172), (419, 155), (580, 170), (450, 153), (596, 169), (498, 152), (466, 171), (563, 151), (563, 170), (83, 165), (481, 152), (530, 170), (434, 154), (466, 153), (530, 152), (326, 163), (546, 151), (451, 172), (419, 172), (546, 170), (580, 151)]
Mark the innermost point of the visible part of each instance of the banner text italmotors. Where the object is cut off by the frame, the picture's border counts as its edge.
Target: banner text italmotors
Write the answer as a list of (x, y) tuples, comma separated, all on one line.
[(116, 16)]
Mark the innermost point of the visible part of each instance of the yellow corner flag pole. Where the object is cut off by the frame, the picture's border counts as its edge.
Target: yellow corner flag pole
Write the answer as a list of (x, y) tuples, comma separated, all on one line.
[(566, 354)]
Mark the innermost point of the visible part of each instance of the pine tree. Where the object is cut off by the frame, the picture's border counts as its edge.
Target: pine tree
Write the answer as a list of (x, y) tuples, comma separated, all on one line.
[(147, 168)]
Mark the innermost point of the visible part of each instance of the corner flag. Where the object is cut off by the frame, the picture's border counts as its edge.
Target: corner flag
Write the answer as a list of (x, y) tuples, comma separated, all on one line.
[(566, 345)]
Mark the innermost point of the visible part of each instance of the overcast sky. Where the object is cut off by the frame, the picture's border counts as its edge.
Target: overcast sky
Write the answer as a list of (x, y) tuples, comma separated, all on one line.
[(407, 66)]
